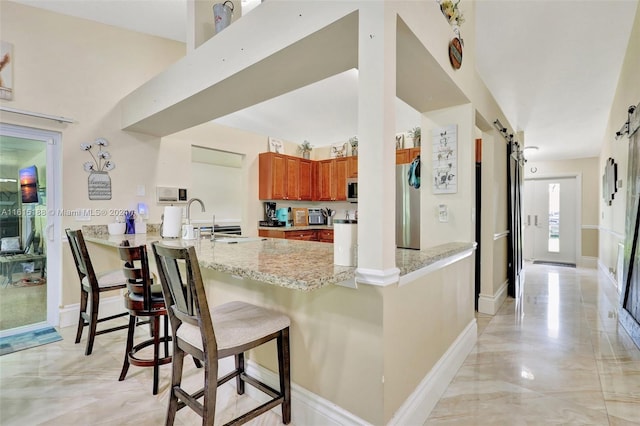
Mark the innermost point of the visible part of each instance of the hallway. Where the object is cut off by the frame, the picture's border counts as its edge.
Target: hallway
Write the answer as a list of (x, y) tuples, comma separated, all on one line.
[(562, 359)]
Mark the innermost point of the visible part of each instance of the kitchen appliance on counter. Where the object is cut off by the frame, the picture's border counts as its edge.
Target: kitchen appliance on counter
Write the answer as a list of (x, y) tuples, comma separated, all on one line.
[(352, 190), (407, 210), (270, 216), (171, 226), (282, 215), (316, 217)]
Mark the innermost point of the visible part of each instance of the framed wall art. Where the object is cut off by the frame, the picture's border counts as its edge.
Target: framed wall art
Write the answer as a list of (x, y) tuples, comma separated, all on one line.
[(445, 160), (338, 150), (276, 145)]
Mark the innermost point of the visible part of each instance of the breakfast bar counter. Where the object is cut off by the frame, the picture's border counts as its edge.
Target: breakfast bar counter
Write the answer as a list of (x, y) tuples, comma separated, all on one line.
[(298, 265)]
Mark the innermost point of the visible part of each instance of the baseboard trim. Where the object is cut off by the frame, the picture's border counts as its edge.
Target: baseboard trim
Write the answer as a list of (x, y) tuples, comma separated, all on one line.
[(108, 306), (605, 271), (307, 408), (416, 409), (488, 304), (310, 409)]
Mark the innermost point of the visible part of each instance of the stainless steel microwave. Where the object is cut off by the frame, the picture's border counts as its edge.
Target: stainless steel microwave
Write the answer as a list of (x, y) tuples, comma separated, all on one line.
[(352, 190)]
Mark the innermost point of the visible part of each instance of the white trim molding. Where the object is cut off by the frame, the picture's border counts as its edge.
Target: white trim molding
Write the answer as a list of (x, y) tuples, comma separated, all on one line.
[(416, 409), (412, 276), (612, 232), (378, 277), (489, 304)]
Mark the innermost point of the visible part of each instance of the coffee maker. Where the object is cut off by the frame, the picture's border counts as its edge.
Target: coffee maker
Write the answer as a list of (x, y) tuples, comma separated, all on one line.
[(269, 211)]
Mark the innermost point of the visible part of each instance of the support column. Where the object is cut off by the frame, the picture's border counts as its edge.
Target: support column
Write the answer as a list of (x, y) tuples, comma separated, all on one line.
[(376, 154)]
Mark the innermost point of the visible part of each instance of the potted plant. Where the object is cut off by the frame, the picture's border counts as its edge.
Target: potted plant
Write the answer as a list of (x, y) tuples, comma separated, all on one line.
[(354, 145), (416, 133), (305, 148), (451, 11)]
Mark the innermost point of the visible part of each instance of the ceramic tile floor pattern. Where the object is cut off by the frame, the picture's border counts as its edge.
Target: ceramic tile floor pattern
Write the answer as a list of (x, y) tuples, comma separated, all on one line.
[(557, 358)]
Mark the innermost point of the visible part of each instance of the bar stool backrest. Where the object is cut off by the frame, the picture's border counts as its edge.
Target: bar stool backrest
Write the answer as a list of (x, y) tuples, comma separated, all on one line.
[(184, 292), (81, 258)]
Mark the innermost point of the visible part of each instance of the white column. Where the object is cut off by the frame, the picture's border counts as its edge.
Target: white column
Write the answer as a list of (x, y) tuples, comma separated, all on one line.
[(376, 153)]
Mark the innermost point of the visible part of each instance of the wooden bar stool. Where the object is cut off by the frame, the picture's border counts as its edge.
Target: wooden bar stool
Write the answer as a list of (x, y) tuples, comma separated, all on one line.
[(92, 284), (210, 334), (143, 299)]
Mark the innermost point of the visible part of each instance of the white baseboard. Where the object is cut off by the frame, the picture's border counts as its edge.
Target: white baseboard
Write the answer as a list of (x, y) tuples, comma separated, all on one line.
[(418, 406), (307, 408), (488, 304), (605, 271), (310, 409), (589, 262), (108, 306)]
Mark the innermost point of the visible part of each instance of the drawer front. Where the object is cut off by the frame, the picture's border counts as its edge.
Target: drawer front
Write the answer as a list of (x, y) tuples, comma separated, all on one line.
[(325, 235), (271, 233), (306, 235)]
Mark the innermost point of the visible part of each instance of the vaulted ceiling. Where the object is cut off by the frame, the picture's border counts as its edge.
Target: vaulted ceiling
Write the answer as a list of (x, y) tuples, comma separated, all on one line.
[(553, 67)]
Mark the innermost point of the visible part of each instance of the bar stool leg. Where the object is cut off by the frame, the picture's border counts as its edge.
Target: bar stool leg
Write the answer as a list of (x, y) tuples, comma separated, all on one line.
[(130, 332), (84, 296)]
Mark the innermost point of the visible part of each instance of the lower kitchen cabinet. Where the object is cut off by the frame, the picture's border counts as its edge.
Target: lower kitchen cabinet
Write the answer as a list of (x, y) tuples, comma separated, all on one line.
[(322, 235)]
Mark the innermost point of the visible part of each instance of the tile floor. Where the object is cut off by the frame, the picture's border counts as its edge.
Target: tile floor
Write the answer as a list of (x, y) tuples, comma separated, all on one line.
[(561, 358)]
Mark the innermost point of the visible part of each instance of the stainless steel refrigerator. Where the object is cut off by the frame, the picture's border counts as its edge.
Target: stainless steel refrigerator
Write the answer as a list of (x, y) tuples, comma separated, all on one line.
[(407, 210)]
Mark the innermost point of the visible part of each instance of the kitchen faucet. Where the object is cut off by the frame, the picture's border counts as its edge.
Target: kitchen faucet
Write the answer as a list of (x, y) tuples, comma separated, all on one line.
[(189, 207)]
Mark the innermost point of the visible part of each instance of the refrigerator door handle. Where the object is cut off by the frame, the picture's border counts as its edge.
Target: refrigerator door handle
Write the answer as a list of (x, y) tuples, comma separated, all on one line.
[(536, 218), (528, 220)]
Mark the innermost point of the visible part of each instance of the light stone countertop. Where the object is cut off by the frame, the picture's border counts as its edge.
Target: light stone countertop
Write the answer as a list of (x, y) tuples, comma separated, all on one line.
[(298, 265)]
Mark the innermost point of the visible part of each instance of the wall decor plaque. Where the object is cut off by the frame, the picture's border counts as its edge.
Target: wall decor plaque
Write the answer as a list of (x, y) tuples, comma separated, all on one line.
[(455, 53)]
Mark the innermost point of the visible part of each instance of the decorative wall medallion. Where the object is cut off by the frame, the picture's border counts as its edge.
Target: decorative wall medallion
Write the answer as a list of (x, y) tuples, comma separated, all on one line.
[(455, 53)]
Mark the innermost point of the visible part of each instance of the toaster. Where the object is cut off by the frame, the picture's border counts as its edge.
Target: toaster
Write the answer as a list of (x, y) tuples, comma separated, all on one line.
[(316, 217)]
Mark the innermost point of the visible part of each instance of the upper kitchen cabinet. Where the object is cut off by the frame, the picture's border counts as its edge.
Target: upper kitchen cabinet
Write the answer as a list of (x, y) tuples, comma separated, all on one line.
[(282, 177), (407, 155), (332, 179), (352, 168)]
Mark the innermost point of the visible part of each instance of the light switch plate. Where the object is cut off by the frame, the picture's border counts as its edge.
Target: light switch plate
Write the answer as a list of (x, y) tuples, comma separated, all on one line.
[(141, 192), (443, 213)]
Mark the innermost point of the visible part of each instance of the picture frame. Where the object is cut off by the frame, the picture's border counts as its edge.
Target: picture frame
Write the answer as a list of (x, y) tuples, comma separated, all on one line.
[(275, 145), (338, 150), (445, 160)]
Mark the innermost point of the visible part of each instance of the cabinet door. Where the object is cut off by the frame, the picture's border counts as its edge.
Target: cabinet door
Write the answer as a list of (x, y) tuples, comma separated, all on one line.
[(305, 180), (353, 167), (292, 178), (413, 153), (325, 174), (272, 176), (340, 179), (402, 156)]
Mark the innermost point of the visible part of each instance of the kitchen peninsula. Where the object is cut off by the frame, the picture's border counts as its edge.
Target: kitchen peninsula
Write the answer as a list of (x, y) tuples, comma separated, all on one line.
[(356, 353)]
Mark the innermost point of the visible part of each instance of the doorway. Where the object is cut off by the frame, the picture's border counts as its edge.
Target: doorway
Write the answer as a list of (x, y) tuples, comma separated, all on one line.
[(29, 228), (551, 220)]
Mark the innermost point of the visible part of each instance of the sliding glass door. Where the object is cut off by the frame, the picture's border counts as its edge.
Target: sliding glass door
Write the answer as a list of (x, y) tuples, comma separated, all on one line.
[(29, 228)]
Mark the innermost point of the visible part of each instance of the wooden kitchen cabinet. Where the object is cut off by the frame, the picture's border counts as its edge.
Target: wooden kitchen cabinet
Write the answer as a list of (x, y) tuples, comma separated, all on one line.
[(352, 167), (332, 179), (322, 235), (407, 155), (283, 177), (325, 235)]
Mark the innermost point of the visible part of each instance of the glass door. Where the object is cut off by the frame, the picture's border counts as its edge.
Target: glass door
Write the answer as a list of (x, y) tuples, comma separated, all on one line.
[(28, 289)]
